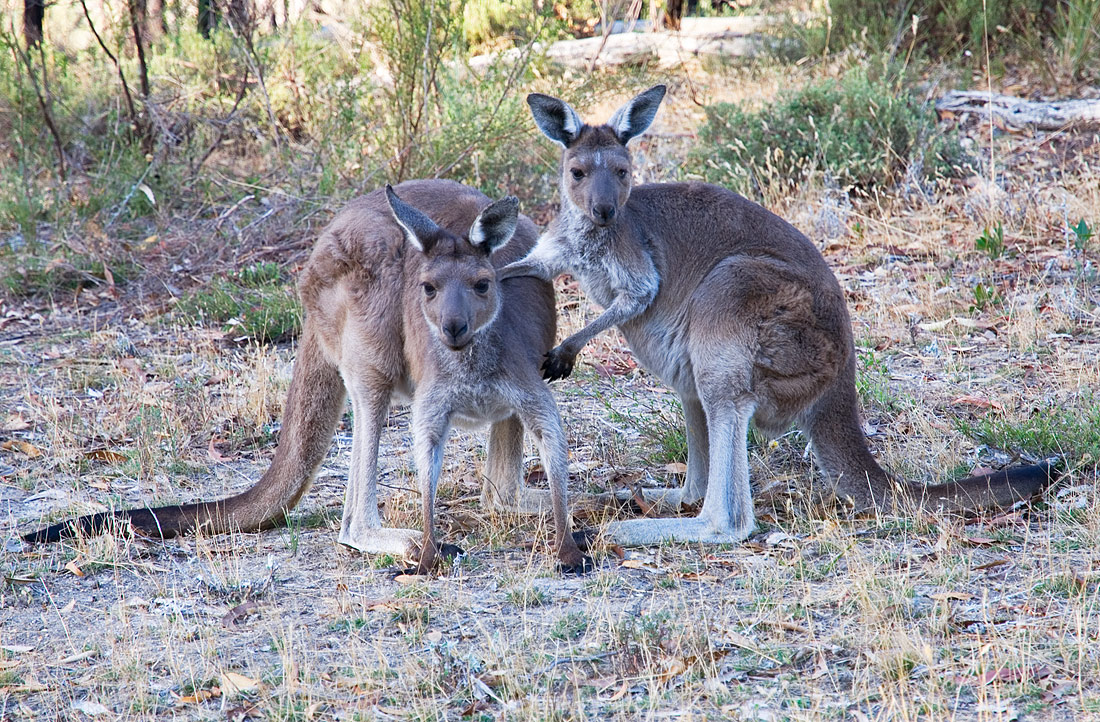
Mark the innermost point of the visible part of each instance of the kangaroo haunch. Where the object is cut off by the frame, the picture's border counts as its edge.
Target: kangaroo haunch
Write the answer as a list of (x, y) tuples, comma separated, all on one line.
[(732, 307), (403, 304)]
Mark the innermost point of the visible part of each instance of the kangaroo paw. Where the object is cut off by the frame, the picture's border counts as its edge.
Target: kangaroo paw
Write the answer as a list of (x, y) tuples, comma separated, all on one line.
[(558, 364), (577, 568)]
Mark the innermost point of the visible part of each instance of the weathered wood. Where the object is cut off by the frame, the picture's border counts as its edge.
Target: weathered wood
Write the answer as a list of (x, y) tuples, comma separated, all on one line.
[(736, 36), (1018, 113)]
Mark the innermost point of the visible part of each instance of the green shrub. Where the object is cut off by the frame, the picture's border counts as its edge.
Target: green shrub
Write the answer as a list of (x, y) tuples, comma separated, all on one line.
[(254, 303), (861, 131), (943, 26)]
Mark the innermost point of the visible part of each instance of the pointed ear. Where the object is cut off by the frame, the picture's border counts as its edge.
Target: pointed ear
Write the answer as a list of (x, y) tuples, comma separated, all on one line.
[(555, 118), (420, 230), (635, 117), (495, 225)]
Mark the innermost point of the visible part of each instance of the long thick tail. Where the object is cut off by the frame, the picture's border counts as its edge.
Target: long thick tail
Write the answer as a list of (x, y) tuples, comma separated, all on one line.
[(997, 490), (313, 408), (841, 450)]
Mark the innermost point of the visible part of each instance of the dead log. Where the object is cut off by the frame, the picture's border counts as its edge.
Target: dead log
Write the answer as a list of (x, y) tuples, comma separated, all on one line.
[(1018, 114), (735, 36)]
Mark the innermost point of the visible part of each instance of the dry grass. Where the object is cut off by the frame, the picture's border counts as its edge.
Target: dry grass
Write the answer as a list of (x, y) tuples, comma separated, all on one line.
[(814, 618)]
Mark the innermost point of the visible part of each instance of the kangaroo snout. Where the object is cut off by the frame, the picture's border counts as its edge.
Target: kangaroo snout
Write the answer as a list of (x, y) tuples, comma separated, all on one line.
[(456, 333), (603, 213)]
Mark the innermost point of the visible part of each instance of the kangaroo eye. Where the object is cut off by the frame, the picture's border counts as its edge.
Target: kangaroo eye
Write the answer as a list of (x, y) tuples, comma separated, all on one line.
[(622, 172), (577, 173), (482, 286), (429, 290)]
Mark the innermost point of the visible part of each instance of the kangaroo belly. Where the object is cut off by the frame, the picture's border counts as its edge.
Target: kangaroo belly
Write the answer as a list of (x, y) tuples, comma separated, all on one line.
[(661, 348)]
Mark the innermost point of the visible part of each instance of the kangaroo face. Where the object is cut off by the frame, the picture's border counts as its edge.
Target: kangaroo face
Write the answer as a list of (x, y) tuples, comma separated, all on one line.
[(458, 293), (597, 175), (458, 283)]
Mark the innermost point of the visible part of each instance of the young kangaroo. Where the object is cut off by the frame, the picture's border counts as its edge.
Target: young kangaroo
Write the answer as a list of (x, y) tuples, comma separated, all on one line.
[(734, 309), (400, 307)]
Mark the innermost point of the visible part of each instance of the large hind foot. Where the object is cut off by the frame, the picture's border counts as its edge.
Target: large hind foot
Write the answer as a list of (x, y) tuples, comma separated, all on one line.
[(401, 543), (647, 532)]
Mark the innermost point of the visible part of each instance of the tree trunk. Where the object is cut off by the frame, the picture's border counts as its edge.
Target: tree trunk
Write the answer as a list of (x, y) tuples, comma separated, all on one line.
[(34, 12)]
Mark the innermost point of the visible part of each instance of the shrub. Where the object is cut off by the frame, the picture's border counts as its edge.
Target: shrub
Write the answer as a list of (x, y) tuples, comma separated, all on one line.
[(943, 26), (863, 131)]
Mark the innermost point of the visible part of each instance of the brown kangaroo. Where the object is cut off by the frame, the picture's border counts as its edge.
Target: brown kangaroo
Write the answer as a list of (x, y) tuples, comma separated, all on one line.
[(403, 308), (733, 308)]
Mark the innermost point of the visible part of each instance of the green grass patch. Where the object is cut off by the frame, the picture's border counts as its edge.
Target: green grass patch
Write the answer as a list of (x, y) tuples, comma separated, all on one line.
[(255, 303), (1070, 433)]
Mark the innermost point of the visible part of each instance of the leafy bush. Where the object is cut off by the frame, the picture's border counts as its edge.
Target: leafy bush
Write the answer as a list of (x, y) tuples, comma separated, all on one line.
[(862, 131)]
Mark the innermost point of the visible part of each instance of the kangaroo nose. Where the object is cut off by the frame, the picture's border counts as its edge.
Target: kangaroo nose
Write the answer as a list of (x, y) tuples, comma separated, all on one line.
[(455, 330), (603, 213)]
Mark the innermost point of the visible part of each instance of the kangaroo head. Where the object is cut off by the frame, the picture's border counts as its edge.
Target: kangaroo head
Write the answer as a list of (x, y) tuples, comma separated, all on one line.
[(596, 168), (458, 284)]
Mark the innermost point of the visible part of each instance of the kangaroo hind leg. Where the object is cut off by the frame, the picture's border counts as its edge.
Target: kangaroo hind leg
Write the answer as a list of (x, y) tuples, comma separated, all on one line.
[(361, 526)]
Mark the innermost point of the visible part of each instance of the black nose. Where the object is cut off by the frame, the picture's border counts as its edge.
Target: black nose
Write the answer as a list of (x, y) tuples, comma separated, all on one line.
[(455, 330), (603, 213)]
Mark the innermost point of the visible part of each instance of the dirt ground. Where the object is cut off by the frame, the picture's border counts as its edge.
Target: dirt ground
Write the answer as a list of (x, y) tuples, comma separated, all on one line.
[(108, 403)]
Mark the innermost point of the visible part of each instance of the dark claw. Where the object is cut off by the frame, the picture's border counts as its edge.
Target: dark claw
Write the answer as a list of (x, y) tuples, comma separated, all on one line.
[(558, 365), (584, 566), (584, 538), (451, 551)]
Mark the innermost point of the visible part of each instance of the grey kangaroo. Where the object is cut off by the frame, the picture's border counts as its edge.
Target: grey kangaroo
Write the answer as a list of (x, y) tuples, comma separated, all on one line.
[(734, 309), (401, 307)]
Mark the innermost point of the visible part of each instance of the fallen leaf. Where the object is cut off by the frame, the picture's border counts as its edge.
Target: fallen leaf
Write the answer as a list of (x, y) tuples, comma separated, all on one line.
[(16, 422), (978, 401), (475, 706), (990, 565), (1014, 674), (90, 708), (673, 668), (622, 692), (947, 596), (199, 695), (17, 648), (233, 683), (408, 579), (697, 577), (106, 455), (238, 613), (215, 455), (27, 449), (981, 541), (676, 467), (74, 569)]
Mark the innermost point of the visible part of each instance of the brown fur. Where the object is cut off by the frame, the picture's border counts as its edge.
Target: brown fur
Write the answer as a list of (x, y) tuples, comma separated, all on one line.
[(371, 332), (732, 307)]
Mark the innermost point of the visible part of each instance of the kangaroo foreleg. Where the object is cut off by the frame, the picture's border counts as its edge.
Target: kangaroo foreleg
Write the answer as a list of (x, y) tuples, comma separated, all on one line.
[(560, 359)]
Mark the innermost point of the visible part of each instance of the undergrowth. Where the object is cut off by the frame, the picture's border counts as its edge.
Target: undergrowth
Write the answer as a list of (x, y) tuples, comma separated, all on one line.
[(866, 130)]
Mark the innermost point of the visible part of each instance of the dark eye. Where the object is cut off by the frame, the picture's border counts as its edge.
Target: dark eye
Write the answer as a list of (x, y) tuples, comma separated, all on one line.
[(482, 286), (429, 290), (577, 173), (621, 172)]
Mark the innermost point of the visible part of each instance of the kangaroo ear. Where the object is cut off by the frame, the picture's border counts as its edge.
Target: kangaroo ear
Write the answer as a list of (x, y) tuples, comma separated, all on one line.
[(555, 118), (635, 117), (495, 225), (420, 230)]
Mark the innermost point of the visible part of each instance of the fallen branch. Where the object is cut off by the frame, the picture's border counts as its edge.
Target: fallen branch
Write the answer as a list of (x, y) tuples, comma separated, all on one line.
[(1018, 114)]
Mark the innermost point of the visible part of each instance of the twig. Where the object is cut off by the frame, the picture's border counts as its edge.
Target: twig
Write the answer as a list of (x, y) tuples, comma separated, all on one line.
[(26, 60), (577, 660), (129, 195), (134, 121)]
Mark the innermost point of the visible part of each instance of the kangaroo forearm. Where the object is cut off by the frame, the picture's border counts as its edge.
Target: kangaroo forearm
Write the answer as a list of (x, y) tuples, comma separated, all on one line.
[(621, 310), (524, 268)]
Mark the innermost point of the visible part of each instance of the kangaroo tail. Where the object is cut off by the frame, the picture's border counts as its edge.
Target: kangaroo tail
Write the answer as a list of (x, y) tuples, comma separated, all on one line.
[(996, 490), (313, 408)]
